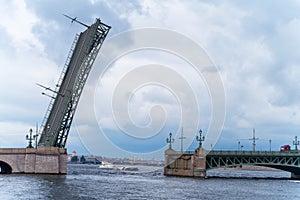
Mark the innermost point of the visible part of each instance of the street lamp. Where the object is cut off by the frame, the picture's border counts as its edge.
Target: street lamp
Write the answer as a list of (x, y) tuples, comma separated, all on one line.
[(170, 140), (30, 138), (200, 139)]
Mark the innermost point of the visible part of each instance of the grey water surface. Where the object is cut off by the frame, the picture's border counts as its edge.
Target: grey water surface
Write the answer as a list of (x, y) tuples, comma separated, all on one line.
[(90, 182)]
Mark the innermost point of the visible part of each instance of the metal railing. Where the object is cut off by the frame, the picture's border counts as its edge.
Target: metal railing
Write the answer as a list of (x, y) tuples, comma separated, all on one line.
[(256, 153)]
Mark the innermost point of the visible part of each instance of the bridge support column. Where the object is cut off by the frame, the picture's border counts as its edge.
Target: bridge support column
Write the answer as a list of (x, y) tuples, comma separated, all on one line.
[(185, 164), (50, 160), (41, 160), (199, 163), (295, 176)]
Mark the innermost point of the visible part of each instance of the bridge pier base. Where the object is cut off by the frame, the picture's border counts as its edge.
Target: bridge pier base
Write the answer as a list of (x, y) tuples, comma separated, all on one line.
[(41, 160), (295, 176), (185, 164)]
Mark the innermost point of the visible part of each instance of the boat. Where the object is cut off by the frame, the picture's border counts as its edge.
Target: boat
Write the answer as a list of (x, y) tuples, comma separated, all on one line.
[(106, 165), (132, 169)]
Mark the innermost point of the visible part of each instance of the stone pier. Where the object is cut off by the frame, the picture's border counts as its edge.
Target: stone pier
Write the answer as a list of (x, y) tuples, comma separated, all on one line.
[(41, 160), (185, 164), (295, 176)]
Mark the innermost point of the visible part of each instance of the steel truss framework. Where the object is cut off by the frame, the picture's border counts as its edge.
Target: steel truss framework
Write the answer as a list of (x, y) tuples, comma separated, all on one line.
[(57, 122), (287, 161)]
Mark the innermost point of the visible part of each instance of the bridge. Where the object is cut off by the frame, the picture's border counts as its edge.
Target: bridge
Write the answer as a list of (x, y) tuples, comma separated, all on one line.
[(49, 157), (286, 161), (195, 164)]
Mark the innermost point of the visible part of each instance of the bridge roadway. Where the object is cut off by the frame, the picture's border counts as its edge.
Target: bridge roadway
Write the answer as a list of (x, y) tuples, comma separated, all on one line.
[(287, 161), (195, 164)]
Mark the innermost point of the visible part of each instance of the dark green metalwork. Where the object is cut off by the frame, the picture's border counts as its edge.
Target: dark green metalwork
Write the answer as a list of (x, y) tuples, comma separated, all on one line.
[(200, 139), (170, 140), (287, 161), (60, 113), (30, 137)]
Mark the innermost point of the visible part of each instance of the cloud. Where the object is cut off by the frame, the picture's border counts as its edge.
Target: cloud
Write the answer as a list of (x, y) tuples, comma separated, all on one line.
[(17, 21), (254, 47), (254, 44)]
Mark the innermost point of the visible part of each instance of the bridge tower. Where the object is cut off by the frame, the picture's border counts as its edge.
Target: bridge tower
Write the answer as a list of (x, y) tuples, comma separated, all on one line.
[(58, 118)]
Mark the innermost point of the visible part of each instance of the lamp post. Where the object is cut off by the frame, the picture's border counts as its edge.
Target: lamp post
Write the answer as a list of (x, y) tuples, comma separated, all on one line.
[(30, 138), (170, 140), (200, 139)]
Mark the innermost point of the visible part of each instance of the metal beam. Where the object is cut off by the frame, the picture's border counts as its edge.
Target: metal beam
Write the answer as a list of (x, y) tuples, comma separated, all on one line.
[(287, 161)]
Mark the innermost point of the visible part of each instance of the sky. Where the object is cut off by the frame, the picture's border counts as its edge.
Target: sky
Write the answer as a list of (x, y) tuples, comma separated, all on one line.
[(130, 104)]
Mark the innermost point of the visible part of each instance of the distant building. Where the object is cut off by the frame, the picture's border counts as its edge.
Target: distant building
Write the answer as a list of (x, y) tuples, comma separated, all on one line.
[(73, 158)]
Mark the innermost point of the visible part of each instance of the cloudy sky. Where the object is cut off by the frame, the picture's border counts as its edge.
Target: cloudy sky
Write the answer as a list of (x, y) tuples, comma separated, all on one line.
[(254, 45)]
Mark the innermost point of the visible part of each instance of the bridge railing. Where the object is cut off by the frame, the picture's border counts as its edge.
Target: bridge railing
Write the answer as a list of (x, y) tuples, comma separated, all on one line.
[(255, 153), (246, 153), (184, 152)]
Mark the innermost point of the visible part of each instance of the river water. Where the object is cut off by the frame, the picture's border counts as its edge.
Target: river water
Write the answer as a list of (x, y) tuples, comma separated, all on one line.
[(90, 182)]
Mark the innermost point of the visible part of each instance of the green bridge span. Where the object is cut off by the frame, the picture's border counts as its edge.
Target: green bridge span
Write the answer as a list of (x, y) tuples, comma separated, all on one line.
[(287, 161)]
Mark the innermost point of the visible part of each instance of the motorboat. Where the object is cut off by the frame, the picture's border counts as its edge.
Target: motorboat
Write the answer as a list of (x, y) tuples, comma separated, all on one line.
[(106, 165)]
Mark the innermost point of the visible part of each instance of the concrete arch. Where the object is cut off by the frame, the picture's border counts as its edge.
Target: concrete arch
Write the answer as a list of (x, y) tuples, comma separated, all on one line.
[(295, 170), (292, 169), (5, 168)]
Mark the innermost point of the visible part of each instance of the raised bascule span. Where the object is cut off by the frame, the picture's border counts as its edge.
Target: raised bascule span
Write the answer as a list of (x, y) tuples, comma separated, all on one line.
[(58, 119), (50, 156)]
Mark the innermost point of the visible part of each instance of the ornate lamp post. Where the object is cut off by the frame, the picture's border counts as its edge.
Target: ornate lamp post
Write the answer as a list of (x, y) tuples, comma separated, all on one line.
[(30, 138), (200, 139), (170, 140)]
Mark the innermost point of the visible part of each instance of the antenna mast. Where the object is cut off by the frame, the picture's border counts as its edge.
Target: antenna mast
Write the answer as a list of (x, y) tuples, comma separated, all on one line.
[(181, 138), (253, 139), (75, 20)]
